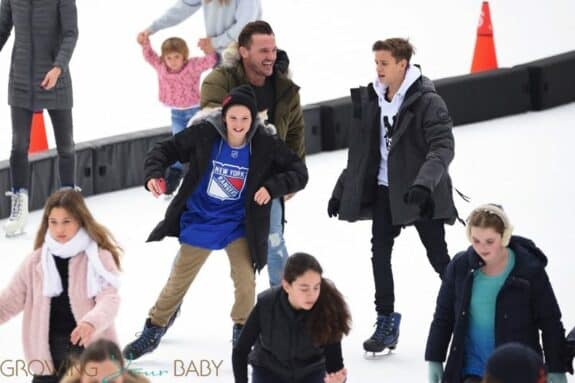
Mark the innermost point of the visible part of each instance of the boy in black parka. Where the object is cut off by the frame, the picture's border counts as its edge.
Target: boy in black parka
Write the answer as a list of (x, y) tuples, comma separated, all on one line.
[(397, 173), (236, 166)]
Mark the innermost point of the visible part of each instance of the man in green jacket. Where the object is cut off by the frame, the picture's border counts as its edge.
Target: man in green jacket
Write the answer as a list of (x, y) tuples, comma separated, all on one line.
[(252, 62)]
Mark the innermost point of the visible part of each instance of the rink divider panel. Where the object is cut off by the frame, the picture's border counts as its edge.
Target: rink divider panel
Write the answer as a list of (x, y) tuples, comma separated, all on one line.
[(313, 128), (552, 81), (485, 95), (336, 120), (119, 160), (5, 185)]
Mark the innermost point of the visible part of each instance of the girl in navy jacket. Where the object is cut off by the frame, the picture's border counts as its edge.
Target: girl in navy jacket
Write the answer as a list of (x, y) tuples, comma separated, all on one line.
[(495, 292)]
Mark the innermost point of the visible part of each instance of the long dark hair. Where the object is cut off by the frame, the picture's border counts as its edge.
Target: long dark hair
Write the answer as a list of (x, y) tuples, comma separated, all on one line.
[(329, 318)]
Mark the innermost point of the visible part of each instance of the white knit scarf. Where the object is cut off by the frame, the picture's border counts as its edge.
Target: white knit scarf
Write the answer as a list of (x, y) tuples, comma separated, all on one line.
[(96, 277)]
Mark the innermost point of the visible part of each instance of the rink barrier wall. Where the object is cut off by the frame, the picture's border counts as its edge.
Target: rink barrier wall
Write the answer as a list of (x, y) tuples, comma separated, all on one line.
[(336, 121), (116, 163), (552, 81), (312, 123), (103, 165), (119, 161), (485, 95), (5, 184)]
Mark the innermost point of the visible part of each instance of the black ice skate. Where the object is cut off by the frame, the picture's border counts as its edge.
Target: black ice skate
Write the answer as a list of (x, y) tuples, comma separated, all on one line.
[(386, 334), (147, 341)]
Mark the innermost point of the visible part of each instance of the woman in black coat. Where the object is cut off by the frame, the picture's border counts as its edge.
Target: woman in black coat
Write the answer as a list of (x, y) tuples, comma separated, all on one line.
[(45, 34), (495, 292)]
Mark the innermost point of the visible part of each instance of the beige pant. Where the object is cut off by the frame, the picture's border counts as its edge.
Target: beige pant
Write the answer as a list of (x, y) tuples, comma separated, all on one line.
[(188, 264)]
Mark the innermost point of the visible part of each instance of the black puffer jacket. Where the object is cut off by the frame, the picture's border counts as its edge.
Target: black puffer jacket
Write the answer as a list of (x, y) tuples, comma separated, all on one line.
[(282, 342), (45, 36), (272, 164), (420, 154), (525, 304)]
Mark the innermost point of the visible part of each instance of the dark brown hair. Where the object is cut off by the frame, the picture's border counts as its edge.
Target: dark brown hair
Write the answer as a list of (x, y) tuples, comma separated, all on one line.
[(177, 45), (73, 202), (100, 351), (400, 48), (329, 318), (258, 27)]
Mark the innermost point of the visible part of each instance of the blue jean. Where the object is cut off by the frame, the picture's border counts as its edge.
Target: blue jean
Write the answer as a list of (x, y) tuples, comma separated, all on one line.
[(277, 251), (180, 120)]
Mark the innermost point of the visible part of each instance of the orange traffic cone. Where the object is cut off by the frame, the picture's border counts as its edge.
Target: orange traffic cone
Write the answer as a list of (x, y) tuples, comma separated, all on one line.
[(38, 140), (484, 56)]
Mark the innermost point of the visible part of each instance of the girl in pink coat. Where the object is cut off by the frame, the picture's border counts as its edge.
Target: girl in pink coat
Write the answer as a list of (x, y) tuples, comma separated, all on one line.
[(67, 288), (179, 84)]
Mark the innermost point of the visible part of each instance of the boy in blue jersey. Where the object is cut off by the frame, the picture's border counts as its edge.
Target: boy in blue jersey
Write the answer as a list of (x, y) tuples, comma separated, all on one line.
[(236, 167)]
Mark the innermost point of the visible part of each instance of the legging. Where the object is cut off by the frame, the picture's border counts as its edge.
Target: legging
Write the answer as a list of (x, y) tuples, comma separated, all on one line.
[(63, 133)]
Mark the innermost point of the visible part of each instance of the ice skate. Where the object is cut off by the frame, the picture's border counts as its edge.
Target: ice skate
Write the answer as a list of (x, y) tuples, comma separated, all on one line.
[(386, 336), (18, 213), (148, 340)]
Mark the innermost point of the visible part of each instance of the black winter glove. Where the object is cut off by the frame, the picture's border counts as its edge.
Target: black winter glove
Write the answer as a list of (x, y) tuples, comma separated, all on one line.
[(333, 207), (420, 196)]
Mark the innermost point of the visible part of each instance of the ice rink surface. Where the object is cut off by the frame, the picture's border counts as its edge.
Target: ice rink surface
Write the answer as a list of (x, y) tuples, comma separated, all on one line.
[(523, 162)]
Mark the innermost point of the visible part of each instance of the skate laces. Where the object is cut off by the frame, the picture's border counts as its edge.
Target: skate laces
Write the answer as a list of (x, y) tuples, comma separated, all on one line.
[(16, 203), (145, 339), (384, 326)]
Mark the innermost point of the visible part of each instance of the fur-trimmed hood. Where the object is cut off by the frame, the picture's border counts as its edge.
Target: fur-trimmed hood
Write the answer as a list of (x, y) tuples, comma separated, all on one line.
[(213, 116)]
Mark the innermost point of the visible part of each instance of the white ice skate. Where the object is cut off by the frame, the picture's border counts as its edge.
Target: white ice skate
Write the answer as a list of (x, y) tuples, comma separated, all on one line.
[(18, 213)]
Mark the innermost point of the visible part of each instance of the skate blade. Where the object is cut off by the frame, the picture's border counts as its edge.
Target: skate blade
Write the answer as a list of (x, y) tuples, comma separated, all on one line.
[(15, 234), (372, 355)]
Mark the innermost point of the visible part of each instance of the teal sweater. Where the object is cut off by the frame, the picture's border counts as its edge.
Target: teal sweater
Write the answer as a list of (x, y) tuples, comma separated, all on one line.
[(480, 339)]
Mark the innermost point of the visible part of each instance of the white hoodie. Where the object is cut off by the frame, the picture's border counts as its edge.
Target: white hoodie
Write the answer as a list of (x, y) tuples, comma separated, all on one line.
[(389, 111)]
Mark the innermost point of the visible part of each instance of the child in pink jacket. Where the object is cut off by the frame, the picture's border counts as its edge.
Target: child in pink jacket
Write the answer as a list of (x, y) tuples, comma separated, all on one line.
[(67, 287), (179, 83)]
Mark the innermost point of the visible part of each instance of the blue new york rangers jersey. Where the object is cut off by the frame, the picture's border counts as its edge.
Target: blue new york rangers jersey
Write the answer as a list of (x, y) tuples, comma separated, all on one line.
[(215, 212)]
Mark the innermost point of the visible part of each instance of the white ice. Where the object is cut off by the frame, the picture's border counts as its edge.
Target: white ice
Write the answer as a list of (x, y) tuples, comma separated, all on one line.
[(524, 162)]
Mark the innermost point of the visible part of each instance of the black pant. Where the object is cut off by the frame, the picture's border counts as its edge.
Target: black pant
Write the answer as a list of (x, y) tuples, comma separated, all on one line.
[(431, 233), (263, 375), (62, 352), (63, 133)]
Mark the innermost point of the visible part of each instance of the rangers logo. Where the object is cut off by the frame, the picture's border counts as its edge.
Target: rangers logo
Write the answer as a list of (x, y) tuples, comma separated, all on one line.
[(227, 181)]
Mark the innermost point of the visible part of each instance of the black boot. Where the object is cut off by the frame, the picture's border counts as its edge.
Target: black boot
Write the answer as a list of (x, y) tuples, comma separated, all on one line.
[(147, 342)]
